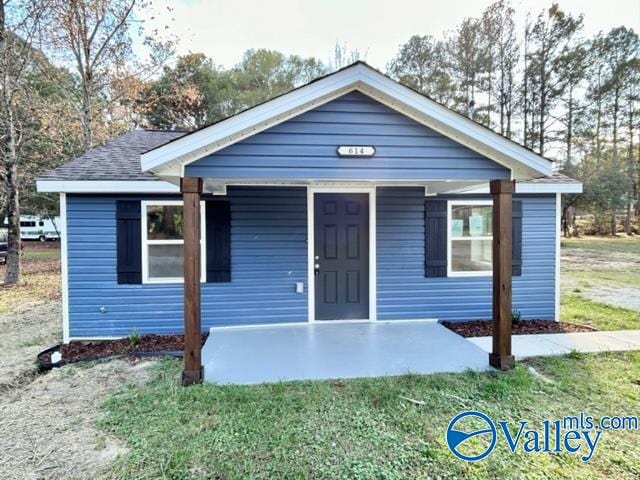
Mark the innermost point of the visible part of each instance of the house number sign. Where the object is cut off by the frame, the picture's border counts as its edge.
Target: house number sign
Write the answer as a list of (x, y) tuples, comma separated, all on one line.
[(356, 151)]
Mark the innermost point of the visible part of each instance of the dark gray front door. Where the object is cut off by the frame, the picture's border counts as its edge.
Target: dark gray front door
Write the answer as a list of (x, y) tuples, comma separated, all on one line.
[(341, 254)]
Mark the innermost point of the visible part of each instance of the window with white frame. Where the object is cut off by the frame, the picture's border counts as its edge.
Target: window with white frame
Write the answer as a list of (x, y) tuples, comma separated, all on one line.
[(163, 241), (470, 238)]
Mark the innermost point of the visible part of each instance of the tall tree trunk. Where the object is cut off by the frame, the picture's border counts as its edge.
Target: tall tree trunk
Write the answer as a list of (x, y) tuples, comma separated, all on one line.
[(599, 123), (627, 219), (633, 172), (14, 244), (542, 107), (616, 110), (570, 125), (613, 225), (10, 158), (87, 130)]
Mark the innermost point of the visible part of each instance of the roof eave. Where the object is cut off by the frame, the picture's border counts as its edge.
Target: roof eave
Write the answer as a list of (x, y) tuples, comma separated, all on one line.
[(106, 186)]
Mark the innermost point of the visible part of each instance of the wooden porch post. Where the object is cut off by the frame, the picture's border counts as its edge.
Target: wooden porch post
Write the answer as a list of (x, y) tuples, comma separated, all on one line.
[(191, 189), (502, 192)]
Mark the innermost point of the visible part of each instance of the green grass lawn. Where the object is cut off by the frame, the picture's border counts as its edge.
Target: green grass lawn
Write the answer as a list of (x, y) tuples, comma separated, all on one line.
[(575, 309), (606, 244), (365, 429), (593, 268)]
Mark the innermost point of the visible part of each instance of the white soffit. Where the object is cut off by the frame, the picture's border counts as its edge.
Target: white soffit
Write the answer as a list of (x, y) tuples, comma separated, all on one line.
[(107, 186), (533, 187), (170, 159)]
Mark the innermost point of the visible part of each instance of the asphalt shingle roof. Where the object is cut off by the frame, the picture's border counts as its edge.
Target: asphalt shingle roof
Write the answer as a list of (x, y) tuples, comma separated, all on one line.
[(556, 178), (118, 159)]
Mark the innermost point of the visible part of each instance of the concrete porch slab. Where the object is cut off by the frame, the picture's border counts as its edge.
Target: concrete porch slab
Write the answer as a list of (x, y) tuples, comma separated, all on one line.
[(319, 351)]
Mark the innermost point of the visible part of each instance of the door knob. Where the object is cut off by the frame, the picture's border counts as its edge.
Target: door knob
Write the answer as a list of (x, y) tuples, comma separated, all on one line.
[(316, 269)]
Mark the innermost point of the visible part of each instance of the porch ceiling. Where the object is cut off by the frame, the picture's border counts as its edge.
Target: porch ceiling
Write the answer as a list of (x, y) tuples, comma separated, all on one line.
[(432, 187)]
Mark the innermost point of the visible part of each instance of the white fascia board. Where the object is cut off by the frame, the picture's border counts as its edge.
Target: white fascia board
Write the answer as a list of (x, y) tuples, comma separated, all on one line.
[(203, 142), (370, 82), (107, 186), (548, 187), (536, 188)]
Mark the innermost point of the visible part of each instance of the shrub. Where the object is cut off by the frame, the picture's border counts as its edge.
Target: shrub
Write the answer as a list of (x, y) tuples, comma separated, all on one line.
[(134, 338)]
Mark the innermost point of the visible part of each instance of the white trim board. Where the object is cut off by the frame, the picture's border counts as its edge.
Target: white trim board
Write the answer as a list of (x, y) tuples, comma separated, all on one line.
[(528, 187), (169, 159), (64, 268), (558, 228), (311, 288), (107, 186), (162, 186)]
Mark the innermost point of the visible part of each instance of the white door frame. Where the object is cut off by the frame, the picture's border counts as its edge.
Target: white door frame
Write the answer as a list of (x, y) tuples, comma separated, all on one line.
[(311, 284)]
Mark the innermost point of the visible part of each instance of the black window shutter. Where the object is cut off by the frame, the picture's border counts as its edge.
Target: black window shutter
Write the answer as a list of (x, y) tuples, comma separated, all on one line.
[(218, 216), (129, 241), (435, 238), (516, 227)]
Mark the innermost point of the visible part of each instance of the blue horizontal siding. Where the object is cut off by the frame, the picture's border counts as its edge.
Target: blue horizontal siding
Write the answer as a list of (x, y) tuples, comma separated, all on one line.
[(304, 148), (268, 256), (405, 293)]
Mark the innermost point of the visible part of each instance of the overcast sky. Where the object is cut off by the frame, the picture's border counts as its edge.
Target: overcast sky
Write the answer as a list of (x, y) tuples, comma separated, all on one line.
[(223, 30)]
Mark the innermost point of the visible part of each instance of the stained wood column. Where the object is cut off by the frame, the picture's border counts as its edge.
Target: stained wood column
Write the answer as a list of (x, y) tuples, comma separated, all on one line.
[(502, 192), (191, 189)]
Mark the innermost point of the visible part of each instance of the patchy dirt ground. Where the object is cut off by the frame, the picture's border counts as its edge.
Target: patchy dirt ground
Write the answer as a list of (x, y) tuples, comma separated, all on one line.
[(603, 269), (48, 426), (618, 296), (26, 330), (47, 422)]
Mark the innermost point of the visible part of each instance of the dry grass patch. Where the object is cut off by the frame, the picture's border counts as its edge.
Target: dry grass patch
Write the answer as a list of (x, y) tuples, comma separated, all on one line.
[(40, 278), (48, 427)]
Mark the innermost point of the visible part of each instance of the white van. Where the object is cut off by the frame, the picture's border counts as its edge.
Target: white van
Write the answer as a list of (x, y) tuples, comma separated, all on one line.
[(33, 227)]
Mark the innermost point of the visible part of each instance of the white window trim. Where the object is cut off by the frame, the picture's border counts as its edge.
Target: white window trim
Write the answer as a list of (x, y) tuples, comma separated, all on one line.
[(146, 242), (471, 203)]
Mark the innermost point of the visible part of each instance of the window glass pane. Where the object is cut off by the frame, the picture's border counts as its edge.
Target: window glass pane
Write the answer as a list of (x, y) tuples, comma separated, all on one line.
[(471, 255), (471, 221), (164, 222), (166, 261)]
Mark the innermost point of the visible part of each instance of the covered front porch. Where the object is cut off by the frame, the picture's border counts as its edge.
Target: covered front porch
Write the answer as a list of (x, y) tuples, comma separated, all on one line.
[(330, 350), (343, 138), (357, 344)]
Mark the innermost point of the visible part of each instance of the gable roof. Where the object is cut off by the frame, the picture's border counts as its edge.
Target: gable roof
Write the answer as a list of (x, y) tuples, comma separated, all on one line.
[(117, 159), (169, 159)]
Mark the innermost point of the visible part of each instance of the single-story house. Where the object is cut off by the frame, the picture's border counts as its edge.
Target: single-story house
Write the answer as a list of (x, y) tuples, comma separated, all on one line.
[(353, 197)]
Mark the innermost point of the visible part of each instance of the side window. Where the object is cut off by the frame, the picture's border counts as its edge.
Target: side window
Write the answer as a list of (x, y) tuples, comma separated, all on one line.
[(470, 238), (41, 223), (162, 242)]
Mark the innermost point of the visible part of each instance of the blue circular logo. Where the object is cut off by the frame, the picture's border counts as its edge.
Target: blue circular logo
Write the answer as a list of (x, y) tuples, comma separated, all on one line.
[(467, 425)]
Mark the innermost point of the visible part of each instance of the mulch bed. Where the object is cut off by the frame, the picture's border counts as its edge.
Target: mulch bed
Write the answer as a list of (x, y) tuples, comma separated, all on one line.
[(483, 328), (77, 351)]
